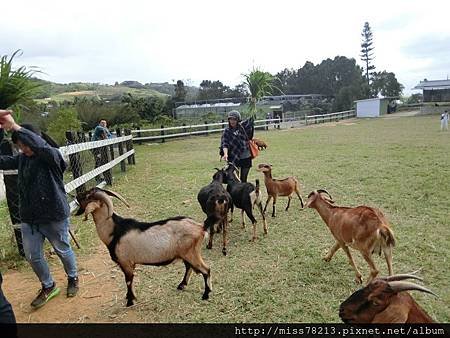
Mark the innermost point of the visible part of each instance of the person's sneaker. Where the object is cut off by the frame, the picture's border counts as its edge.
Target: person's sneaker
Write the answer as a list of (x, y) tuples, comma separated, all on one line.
[(45, 294), (72, 286)]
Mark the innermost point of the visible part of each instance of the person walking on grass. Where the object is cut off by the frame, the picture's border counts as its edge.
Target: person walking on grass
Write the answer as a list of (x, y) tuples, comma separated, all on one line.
[(43, 206), (444, 120), (234, 140)]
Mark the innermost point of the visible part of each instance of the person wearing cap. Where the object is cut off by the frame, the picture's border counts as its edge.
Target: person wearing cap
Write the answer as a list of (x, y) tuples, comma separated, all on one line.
[(234, 142), (444, 121), (43, 207)]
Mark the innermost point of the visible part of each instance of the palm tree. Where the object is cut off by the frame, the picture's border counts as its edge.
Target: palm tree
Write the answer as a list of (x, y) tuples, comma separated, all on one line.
[(16, 86), (259, 83)]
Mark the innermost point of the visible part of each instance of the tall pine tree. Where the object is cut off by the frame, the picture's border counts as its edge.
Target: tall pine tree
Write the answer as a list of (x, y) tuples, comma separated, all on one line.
[(367, 51)]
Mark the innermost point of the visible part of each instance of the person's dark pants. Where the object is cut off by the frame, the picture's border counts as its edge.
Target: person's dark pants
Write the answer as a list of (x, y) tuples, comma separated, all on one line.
[(245, 164), (6, 311)]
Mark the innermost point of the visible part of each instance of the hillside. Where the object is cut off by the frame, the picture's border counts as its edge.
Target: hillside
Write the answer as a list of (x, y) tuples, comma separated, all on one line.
[(51, 91)]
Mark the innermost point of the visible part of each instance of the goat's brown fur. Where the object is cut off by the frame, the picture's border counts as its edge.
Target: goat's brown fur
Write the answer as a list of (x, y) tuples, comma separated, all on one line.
[(362, 228), (260, 143), (275, 187), (380, 302)]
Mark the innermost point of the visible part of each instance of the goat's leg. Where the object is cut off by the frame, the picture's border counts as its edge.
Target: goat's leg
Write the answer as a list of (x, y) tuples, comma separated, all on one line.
[(128, 271), (187, 276), (266, 231), (358, 278), (331, 252), (195, 259), (274, 205), (242, 218), (267, 202), (299, 197), (373, 269), (249, 213), (225, 233), (209, 224), (289, 202), (231, 212), (388, 256)]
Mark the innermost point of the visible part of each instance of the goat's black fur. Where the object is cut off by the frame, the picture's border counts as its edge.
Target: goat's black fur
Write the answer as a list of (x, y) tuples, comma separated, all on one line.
[(215, 202)]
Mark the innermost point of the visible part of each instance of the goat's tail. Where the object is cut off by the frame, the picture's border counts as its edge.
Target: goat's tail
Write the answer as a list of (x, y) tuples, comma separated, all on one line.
[(387, 236)]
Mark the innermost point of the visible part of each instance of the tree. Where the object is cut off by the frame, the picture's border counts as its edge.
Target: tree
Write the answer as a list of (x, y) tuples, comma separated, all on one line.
[(16, 86), (180, 91), (386, 84), (212, 90), (258, 84), (367, 51), (66, 119)]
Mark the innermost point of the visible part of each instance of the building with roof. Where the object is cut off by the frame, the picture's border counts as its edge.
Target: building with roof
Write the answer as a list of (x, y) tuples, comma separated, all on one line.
[(435, 90)]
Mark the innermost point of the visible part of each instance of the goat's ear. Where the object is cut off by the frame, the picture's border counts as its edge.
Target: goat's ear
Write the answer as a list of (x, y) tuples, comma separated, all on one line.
[(90, 208)]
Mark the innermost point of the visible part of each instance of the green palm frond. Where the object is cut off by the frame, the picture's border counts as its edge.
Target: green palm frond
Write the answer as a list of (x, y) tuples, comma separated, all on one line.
[(15, 84), (259, 84)]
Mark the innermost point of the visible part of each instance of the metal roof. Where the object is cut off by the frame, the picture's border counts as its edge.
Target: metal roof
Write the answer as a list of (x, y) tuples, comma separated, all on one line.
[(434, 84)]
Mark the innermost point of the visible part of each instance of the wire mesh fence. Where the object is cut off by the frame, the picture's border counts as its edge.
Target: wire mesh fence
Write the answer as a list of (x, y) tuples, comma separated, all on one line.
[(90, 163)]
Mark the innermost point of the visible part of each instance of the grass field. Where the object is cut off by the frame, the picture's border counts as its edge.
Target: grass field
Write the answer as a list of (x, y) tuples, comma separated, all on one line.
[(401, 165)]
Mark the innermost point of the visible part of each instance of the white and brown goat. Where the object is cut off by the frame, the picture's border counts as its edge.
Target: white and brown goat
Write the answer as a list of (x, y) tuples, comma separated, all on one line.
[(362, 228), (132, 242), (385, 300), (276, 187)]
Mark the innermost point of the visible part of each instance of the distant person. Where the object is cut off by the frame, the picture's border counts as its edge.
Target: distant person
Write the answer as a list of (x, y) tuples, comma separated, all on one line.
[(43, 207), (101, 132), (444, 120), (234, 142), (6, 311)]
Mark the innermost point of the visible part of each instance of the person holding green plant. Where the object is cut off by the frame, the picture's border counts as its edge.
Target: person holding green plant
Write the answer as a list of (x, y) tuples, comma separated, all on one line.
[(43, 206), (234, 142)]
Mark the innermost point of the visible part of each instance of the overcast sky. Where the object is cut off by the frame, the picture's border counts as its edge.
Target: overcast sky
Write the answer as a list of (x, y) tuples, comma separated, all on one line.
[(163, 41)]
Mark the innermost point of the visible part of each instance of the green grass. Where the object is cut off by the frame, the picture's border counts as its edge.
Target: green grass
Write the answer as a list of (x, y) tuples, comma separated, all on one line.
[(400, 165)]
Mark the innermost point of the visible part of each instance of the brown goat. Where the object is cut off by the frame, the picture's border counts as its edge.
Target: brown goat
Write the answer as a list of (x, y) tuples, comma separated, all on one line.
[(385, 300), (260, 143), (275, 188), (362, 228)]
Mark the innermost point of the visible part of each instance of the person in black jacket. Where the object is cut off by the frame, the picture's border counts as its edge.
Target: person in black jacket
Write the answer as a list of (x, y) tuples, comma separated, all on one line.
[(43, 206)]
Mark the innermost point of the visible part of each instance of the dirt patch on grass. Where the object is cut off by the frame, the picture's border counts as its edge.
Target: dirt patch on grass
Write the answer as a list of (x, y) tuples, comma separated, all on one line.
[(101, 297)]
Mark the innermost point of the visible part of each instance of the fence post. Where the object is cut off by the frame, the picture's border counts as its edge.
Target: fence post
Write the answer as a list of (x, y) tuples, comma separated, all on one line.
[(12, 198), (162, 134), (139, 134), (223, 126), (129, 146), (120, 147), (90, 136), (306, 119), (184, 129), (279, 122), (75, 161), (206, 128)]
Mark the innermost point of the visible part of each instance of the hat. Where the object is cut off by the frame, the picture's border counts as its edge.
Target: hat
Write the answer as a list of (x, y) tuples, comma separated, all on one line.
[(234, 114)]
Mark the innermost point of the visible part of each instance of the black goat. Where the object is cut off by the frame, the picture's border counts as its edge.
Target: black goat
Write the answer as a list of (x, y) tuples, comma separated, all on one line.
[(215, 202), (244, 196)]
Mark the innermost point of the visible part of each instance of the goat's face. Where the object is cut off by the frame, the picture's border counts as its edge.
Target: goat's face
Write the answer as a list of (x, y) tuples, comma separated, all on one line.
[(231, 175), (86, 201), (363, 305), (264, 168), (316, 195)]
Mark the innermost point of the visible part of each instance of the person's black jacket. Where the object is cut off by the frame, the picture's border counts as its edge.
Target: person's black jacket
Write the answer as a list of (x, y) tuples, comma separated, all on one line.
[(42, 197)]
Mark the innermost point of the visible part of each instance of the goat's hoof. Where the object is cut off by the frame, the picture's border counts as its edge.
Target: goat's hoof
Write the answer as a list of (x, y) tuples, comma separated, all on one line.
[(326, 259), (224, 251), (205, 296), (209, 246), (358, 280), (129, 303), (181, 286)]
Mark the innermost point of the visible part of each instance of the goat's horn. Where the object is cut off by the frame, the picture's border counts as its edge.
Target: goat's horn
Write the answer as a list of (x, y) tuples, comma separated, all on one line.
[(398, 286), (116, 195), (102, 196), (403, 276), (324, 191)]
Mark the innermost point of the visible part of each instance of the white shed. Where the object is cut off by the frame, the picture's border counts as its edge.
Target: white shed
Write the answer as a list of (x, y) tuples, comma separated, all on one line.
[(372, 107)]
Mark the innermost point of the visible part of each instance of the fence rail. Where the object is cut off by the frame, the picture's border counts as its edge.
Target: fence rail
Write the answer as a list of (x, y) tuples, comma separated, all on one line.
[(81, 156)]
